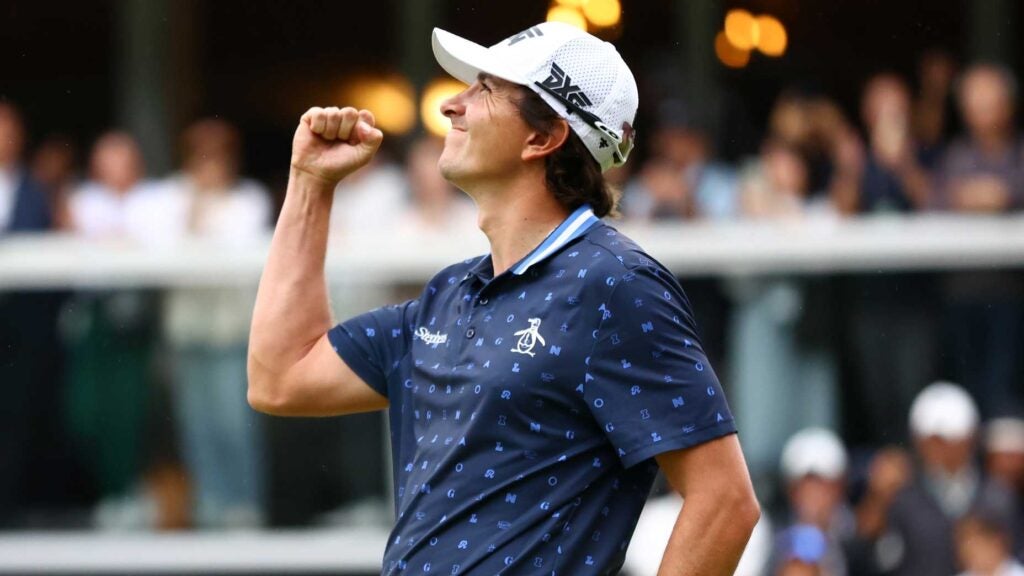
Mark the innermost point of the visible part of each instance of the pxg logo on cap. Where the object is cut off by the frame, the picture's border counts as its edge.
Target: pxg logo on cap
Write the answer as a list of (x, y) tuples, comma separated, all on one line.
[(581, 77)]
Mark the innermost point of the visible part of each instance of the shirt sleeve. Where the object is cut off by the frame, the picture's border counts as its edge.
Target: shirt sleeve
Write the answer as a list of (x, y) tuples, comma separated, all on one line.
[(649, 384), (373, 344)]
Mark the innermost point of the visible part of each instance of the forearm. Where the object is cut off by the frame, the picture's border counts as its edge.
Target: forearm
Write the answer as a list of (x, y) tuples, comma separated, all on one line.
[(292, 308), (708, 538)]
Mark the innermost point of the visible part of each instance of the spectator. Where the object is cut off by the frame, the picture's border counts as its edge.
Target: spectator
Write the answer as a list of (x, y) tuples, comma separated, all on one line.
[(1004, 452), (776, 186), (435, 206), (933, 107), (944, 422), (889, 471), (22, 199), (54, 165), (983, 173), (895, 177), (29, 351), (1004, 463), (891, 316), (207, 329), (833, 154), (983, 543), (682, 180), (116, 202), (110, 336), (814, 465), (774, 357)]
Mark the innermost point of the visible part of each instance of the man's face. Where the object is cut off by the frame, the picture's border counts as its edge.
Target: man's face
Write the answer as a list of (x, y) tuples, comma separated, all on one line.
[(487, 137), (815, 499), (941, 454), (986, 102)]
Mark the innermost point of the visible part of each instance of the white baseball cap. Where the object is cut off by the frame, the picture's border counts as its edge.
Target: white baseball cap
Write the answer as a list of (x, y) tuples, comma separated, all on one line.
[(945, 410), (814, 451), (580, 76)]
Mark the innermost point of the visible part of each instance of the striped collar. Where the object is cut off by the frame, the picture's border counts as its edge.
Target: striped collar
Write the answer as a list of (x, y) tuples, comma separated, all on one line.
[(571, 228)]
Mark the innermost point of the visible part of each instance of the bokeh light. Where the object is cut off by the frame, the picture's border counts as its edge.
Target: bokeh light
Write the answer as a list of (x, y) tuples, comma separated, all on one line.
[(741, 29), (772, 39), (391, 99), (602, 13), (729, 54), (571, 3), (567, 15), (430, 105)]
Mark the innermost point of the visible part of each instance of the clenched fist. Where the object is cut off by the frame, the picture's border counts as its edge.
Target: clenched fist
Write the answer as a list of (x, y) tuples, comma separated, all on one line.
[(331, 143)]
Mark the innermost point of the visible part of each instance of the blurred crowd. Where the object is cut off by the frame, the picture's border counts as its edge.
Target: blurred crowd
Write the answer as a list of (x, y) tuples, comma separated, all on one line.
[(145, 392), (950, 502)]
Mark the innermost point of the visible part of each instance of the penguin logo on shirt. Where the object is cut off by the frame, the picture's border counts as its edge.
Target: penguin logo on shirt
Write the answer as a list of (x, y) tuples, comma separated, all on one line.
[(528, 338)]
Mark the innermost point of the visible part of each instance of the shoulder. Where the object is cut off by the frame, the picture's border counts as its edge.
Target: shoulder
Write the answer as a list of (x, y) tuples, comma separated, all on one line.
[(627, 261)]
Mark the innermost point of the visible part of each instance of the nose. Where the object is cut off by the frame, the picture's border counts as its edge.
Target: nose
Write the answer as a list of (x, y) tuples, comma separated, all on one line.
[(454, 105)]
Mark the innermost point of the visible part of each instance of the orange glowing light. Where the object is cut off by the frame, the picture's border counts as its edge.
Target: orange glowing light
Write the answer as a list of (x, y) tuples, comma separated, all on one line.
[(773, 39), (430, 105), (567, 15), (391, 99), (729, 54), (741, 29), (602, 13)]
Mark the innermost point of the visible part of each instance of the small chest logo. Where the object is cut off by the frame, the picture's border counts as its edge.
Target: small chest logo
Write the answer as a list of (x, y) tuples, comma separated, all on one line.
[(528, 338), (429, 337)]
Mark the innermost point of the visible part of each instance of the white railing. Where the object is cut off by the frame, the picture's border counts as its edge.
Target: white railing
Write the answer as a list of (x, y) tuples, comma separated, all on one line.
[(857, 245), (337, 551)]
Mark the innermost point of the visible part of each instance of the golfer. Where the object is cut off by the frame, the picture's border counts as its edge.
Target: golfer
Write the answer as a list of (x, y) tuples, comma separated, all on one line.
[(534, 392)]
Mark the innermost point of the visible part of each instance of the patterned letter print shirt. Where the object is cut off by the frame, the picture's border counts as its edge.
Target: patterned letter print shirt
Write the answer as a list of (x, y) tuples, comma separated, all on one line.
[(526, 409)]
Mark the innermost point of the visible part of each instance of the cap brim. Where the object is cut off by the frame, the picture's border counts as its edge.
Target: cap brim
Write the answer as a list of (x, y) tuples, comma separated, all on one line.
[(465, 60)]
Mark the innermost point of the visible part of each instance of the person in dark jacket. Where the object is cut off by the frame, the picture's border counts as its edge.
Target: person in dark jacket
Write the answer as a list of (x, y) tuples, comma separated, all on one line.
[(920, 537), (29, 360)]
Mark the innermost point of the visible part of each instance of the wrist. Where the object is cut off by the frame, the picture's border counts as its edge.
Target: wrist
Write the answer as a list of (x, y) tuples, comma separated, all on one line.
[(310, 179)]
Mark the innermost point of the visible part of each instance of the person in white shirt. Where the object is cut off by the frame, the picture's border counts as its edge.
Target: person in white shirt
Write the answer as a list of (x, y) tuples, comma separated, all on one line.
[(117, 202), (111, 335), (207, 328)]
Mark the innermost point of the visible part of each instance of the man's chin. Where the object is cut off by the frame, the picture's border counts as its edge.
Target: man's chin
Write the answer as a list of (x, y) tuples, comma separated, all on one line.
[(449, 170)]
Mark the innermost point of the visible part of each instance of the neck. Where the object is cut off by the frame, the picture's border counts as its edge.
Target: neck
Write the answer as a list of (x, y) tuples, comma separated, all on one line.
[(516, 219)]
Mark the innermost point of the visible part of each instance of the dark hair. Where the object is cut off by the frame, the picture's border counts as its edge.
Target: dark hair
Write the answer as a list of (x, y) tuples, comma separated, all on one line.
[(571, 172)]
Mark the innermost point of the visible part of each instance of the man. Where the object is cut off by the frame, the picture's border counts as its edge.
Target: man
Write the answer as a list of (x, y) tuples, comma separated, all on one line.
[(982, 173), (23, 205), (29, 350), (814, 465), (948, 484), (891, 317), (531, 389)]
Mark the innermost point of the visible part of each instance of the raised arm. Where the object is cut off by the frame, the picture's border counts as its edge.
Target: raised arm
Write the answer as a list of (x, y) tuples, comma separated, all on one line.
[(293, 370)]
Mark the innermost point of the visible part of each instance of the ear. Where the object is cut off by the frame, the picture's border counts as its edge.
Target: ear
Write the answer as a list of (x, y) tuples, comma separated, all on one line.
[(540, 144)]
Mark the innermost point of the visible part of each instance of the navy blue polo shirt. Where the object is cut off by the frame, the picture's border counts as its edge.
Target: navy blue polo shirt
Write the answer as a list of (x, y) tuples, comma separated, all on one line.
[(525, 409)]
